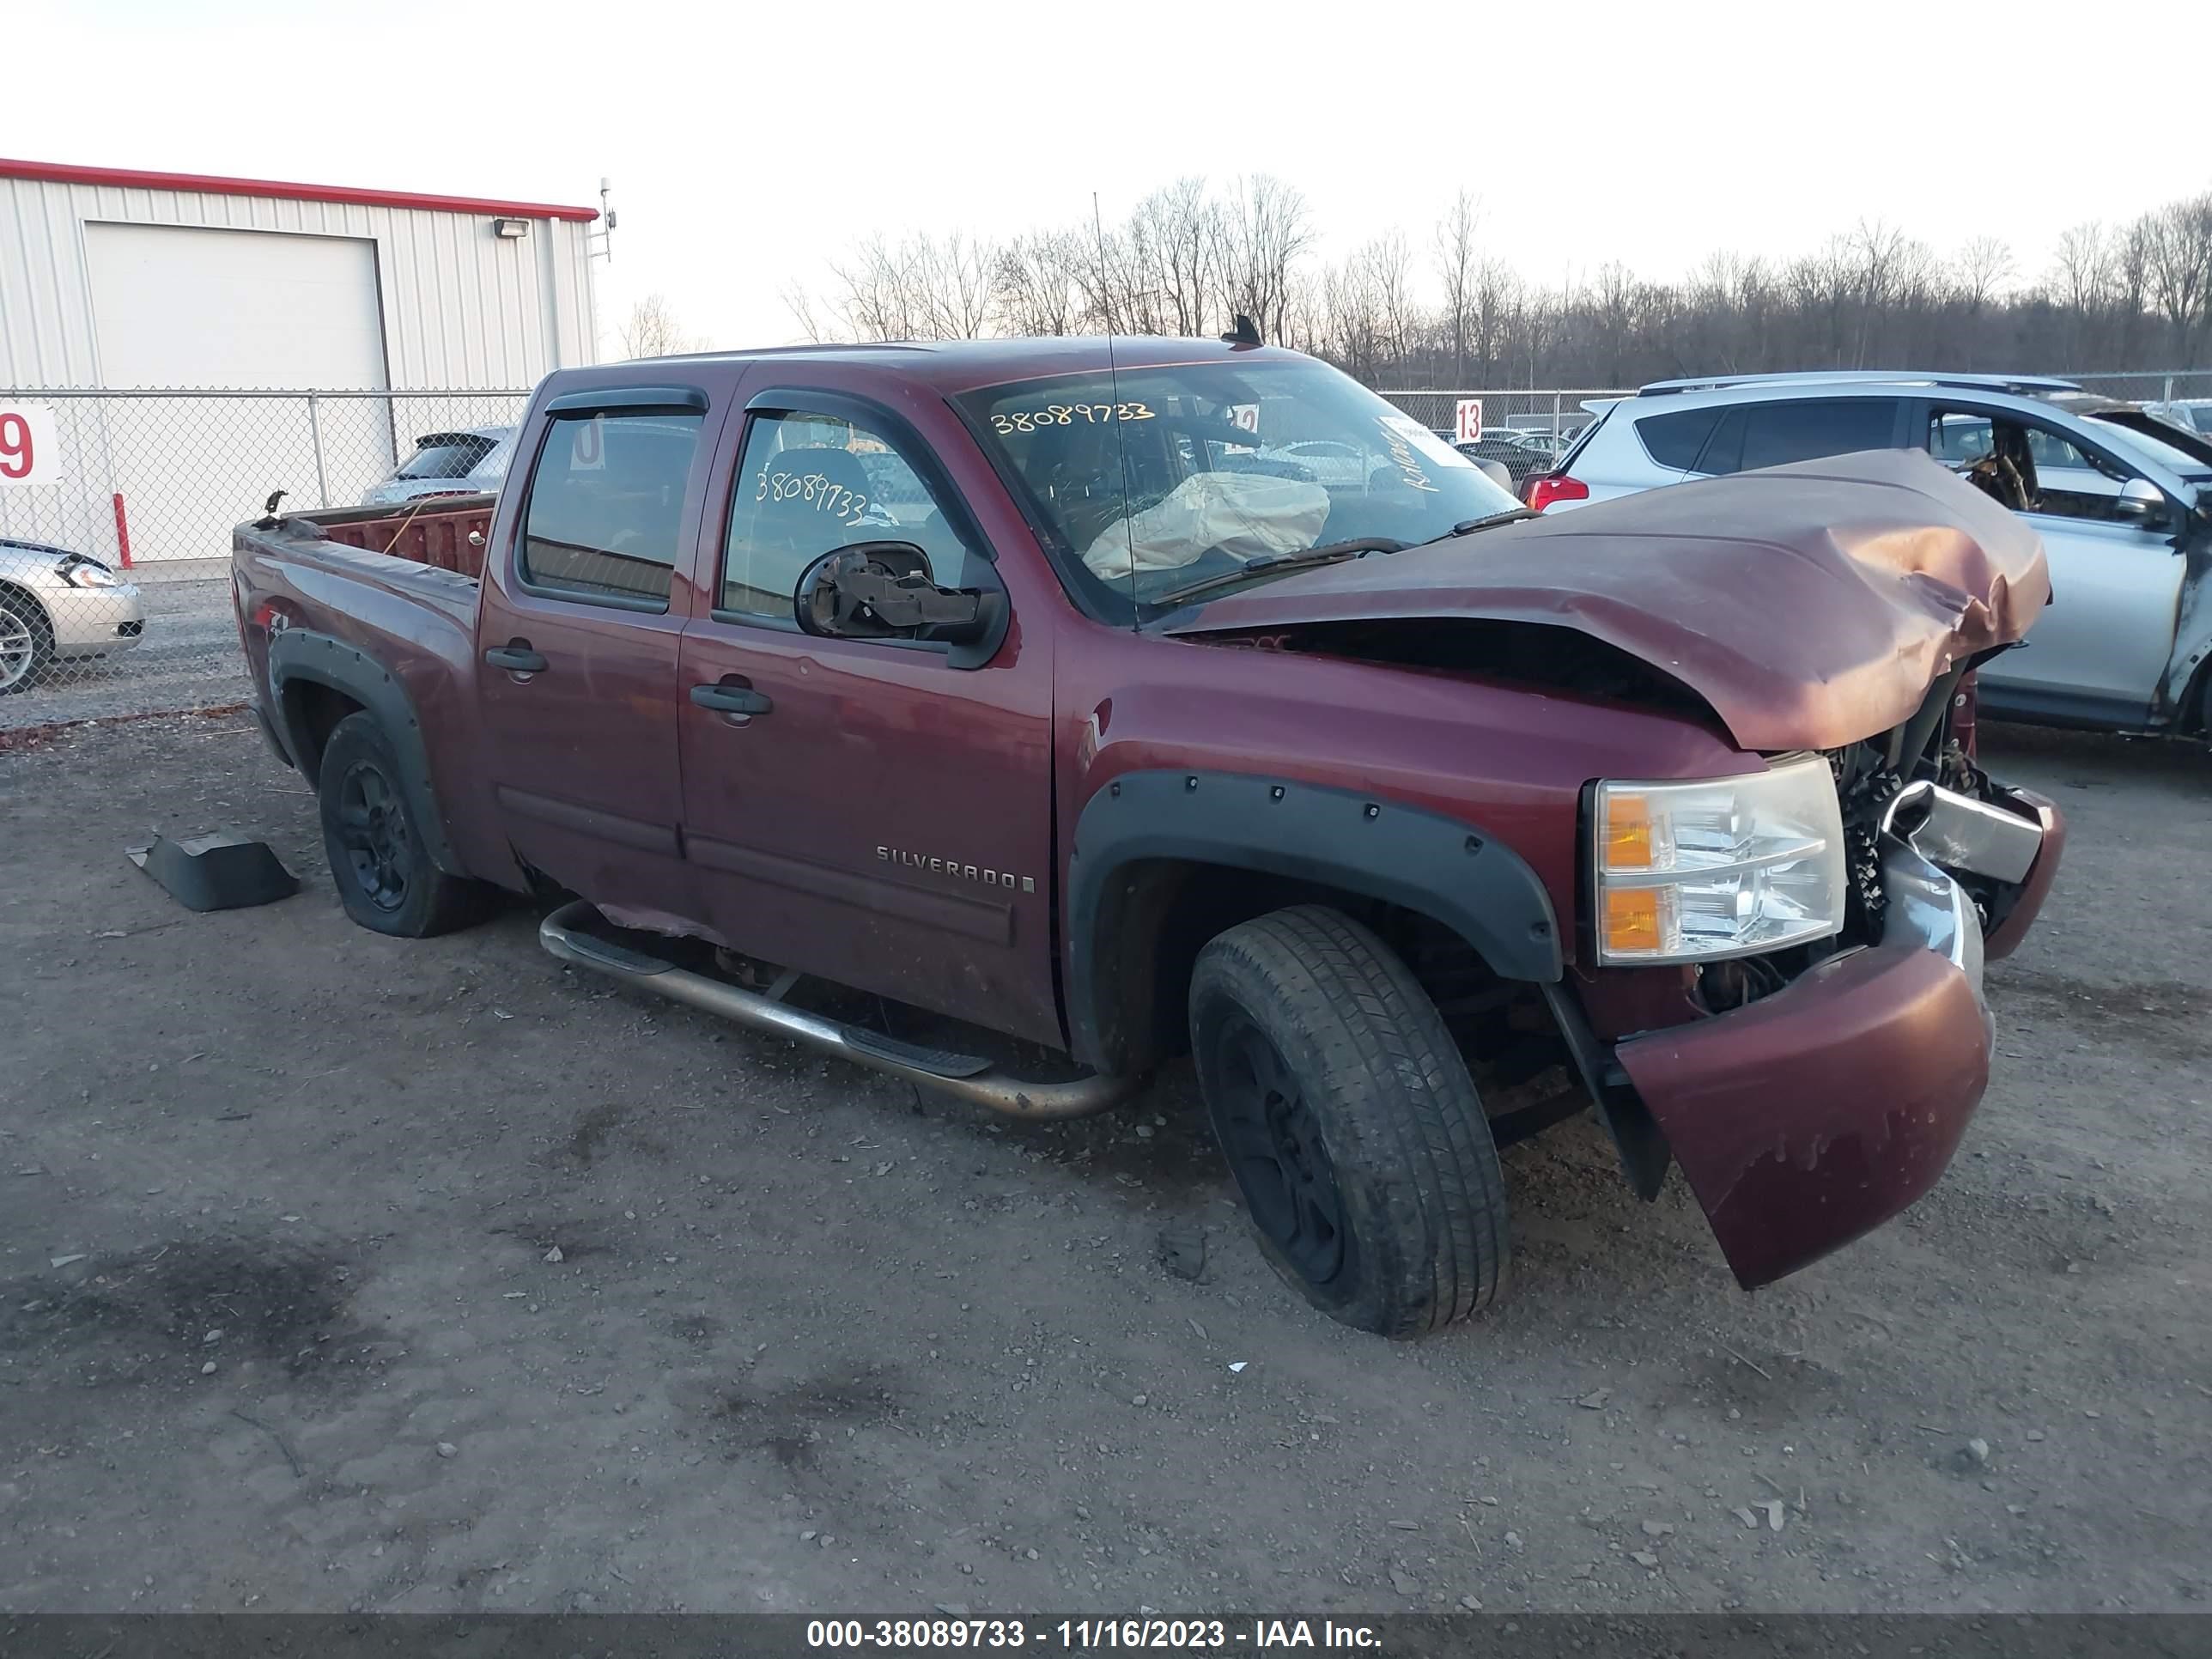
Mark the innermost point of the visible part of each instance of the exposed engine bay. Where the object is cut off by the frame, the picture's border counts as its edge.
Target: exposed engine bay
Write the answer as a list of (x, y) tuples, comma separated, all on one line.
[(1914, 804)]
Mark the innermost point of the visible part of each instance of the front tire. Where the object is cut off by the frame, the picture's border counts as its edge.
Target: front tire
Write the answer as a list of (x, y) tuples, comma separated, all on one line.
[(386, 878), (1350, 1122), (27, 643)]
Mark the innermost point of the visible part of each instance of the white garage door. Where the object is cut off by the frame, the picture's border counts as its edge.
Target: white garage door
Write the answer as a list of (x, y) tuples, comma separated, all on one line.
[(175, 305)]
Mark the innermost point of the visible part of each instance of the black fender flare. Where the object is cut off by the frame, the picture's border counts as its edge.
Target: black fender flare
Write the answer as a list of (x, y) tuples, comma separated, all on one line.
[(1362, 843), (299, 653)]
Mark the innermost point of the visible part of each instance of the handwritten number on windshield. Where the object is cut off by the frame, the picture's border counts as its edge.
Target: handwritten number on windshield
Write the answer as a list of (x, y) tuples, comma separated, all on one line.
[(1032, 420)]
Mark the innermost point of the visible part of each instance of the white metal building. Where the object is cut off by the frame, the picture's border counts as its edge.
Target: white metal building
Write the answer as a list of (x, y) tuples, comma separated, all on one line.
[(119, 280)]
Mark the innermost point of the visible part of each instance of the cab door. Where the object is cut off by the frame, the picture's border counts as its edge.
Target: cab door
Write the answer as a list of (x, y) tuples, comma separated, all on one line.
[(878, 812), (578, 645)]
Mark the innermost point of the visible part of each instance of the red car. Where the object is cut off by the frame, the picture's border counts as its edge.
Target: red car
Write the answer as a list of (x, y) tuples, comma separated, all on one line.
[(1025, 683)]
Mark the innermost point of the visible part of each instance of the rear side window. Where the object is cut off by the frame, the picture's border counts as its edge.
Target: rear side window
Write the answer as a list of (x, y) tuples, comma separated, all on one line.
[(1678, 440), (606, 512)]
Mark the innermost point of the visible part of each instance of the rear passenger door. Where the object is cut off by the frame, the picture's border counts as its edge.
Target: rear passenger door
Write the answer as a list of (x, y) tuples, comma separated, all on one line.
[(577, 643)]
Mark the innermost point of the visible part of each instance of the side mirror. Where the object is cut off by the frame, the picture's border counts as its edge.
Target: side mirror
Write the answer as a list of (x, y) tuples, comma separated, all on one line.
[(2139, 498), (884, 591)]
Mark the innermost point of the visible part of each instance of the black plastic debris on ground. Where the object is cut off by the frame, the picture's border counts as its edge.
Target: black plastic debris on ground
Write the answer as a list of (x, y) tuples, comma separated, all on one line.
[(215, 872)]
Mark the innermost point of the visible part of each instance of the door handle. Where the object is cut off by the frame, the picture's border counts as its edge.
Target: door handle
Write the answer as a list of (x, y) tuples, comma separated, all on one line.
[(515, 659), (732, 699)]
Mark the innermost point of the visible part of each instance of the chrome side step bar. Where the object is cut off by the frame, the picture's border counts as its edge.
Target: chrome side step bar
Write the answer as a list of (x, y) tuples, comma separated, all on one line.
[(960, 1075)]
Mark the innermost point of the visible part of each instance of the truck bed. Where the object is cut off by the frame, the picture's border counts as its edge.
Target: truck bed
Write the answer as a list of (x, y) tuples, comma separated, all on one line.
[(433, 531)]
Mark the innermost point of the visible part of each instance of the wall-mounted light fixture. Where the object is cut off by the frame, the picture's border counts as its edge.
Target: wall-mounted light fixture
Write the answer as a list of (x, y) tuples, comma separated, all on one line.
[(512, 229)]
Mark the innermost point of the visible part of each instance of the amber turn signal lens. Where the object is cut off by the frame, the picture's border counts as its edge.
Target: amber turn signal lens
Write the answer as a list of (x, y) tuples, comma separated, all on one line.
[(1631, 921), (1628, 840)]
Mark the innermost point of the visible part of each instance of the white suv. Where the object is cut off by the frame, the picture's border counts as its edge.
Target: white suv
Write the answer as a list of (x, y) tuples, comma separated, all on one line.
[(2122, 499)]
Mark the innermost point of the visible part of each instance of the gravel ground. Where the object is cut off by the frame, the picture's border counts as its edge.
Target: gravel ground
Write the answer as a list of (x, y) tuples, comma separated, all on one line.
[(189, 659), (341, 1273)]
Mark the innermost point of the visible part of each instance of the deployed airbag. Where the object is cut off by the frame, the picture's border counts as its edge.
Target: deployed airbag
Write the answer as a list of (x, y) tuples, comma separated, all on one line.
[(1246, 515)]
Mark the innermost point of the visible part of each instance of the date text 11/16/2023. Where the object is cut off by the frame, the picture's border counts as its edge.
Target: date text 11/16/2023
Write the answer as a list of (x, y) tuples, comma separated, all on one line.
[(1083, 1634)]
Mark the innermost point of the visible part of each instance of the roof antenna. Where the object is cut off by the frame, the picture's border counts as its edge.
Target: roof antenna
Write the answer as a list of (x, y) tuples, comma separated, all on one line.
[(1114, 393), (1245, 333)]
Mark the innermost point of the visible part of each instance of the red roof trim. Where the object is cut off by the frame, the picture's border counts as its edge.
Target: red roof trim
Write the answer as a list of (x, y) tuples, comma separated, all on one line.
[(60, 173)]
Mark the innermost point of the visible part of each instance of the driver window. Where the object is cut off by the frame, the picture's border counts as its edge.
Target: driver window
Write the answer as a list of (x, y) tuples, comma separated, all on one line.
[(2029, 468), (811, 483)]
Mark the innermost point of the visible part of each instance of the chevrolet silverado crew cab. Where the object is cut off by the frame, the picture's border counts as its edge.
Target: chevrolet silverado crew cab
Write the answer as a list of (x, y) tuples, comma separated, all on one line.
[(1037, 690)]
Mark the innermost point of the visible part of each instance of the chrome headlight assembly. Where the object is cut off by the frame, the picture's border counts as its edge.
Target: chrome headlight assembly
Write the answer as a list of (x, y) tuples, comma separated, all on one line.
[(80, 572), (1724, 867)]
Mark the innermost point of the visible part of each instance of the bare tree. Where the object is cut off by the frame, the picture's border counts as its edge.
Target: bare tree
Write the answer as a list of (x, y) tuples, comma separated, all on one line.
[(882, 291), (1982, 267), (1183, 232), (2132, 282), (652, 331), (1820, 286), (959, 280), (1267, 229), (2082, 274), (1389, 280), (1038, 290), (2178, 246), (919, 288), (802, 307), (1457, 264), (1498, 305), (1351, 327), (1878, 254)]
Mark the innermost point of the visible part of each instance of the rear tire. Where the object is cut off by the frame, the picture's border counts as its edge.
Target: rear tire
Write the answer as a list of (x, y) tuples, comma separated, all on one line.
[(27, 643), (385, 875), (1350, 1122)]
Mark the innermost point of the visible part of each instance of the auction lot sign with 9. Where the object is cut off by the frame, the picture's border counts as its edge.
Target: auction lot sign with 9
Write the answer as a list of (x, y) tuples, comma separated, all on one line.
[(29, 452)]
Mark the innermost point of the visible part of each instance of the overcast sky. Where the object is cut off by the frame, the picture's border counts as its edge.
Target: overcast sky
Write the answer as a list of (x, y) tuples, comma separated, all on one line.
[(748, 144)]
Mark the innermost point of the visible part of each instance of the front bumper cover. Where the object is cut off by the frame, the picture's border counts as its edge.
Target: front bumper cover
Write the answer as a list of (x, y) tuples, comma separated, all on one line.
[(1815, 1114), (95, 621)]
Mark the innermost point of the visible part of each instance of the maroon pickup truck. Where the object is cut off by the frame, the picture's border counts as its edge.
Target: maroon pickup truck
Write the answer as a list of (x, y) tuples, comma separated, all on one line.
[(1166, 696)]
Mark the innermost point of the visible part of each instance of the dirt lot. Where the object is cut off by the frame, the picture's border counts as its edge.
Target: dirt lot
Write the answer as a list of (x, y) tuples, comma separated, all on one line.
[(281, 1326)]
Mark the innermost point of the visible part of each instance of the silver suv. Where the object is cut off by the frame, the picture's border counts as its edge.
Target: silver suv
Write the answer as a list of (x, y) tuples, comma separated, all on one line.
[(2122, 499)]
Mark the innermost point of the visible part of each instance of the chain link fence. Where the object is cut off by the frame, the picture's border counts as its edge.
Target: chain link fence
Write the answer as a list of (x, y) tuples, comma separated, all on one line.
[(115, 510)]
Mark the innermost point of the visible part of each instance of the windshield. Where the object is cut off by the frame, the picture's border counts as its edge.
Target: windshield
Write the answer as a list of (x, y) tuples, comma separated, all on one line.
[(1160, 480)]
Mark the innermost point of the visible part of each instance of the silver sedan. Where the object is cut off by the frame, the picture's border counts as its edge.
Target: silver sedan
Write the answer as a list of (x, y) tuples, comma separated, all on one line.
[(57, 607)]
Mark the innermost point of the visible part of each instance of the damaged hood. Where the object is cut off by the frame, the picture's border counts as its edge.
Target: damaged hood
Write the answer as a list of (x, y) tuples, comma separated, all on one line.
[(1809, 605)]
